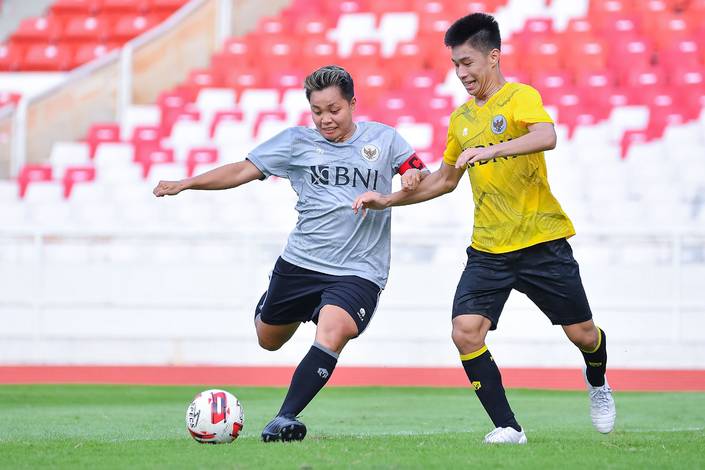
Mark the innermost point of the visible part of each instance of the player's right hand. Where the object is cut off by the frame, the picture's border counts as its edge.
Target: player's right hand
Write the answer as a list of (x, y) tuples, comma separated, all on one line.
[(168, 188), (369, 200)]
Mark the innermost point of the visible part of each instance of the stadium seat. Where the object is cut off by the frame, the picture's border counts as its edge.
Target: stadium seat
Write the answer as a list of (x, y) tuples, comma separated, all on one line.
[(254, 100), (268, 124), (86, 29), (585, 55), (47, 58), (200, 156), (33, 173), (99, 133), (74, 175), (11, 57), (64, 9), (88, 52), (145, 139), (223, 116), (123, 7), (37, 30), (158, 156), (316, 53), (131, 26), (8, 98)]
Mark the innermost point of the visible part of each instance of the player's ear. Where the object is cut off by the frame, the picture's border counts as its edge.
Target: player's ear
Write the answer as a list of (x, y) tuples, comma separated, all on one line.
[(493, 57), (353, 101)]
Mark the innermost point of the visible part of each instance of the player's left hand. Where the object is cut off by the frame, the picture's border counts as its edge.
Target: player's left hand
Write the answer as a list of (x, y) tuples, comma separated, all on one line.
[(410, 179), (369, 200), (474, 155)]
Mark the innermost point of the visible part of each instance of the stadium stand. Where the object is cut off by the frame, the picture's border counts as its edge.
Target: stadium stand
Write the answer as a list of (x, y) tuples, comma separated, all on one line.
[(627, 74)]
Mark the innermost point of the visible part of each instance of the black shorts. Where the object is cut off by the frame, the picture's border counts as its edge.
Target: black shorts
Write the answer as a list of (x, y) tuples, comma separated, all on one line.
[(547, 273), (297, 294)]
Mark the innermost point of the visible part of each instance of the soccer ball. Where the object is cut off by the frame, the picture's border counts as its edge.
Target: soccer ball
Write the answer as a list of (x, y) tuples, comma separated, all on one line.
[(215, 417)]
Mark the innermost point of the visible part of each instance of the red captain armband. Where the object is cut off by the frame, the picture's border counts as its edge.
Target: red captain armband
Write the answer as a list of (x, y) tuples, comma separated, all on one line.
[(412, 162)]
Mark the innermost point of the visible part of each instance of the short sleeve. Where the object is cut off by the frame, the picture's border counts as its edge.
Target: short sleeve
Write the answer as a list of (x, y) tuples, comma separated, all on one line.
[(272, 157), (401, 151), (528, 107), (453, 148)]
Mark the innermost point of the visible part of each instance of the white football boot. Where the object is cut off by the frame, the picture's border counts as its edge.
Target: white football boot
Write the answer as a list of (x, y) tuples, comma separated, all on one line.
[(505, 436), (602, 409)]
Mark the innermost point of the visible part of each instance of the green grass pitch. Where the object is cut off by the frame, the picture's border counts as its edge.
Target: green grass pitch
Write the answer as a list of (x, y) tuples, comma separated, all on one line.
[(76, 426)]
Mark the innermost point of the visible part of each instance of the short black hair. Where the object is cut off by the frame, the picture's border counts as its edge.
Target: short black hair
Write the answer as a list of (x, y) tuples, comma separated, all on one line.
[(479, 29), (328, 76)]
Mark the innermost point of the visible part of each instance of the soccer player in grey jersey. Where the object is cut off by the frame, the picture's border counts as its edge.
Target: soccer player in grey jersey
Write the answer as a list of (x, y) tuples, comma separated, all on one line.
[(334, 265)]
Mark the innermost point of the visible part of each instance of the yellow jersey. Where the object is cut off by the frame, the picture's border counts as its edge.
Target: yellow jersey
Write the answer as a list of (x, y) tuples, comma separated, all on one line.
[(514, 206)]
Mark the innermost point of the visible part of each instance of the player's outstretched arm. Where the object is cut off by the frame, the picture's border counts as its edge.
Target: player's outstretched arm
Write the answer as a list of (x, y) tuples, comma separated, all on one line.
[(541, 136), (441, 181), (227, 176)]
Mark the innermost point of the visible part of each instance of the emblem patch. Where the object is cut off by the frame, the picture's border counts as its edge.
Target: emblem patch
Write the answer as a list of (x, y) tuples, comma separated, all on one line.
[(370, 152), (499, 124)]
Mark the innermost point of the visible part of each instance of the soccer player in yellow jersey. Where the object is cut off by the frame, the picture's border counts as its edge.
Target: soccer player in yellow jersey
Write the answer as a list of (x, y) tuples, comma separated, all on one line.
[(519, 233)]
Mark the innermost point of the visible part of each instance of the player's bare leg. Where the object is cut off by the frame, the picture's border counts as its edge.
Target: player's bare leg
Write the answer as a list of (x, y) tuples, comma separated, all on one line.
[(592, 342), (335, 328), (273, 337), (469, 333)]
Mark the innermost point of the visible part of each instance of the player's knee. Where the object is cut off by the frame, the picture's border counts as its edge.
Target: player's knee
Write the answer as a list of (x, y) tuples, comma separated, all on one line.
[(335, 336), (585, 339), (468, 339)]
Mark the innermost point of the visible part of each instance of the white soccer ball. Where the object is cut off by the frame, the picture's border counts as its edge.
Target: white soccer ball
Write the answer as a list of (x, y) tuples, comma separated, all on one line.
[(215, 417)]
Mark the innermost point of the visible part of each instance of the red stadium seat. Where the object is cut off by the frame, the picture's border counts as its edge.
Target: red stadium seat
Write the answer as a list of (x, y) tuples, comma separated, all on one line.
[(266, 116), (243, 79), (200, 156), (165, 6), (386, 6), (88, 52), (631, 137), (222, 116), (408, 56), (237, 53), (365, 54), (311, 26), (689, 80), (317, 53), (552, 85), (585, 55), (65, 9), (99, 133), (370, 84), (86, 29), (121, 7), (671, 28), (634, 53), (171, 105), (33, 173), (542, 54), (681, 53), (155, 156), (48, 58), (275, 27), (131, 26), (37, 30), (510, 57), (644, 79), (74, 175), (145, 139), (276, 53), (284, 80), (11, 57)]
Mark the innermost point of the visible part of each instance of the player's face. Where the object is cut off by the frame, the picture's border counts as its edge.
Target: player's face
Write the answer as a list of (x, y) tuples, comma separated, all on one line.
[(477, 70), (332, 113)]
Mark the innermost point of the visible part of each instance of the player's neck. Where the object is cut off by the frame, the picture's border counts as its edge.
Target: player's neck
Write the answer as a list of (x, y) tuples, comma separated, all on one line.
[(347, 135), (491, 89)]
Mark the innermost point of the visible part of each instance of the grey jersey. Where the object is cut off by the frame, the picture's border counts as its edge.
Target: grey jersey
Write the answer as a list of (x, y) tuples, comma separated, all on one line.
[(327, 177)]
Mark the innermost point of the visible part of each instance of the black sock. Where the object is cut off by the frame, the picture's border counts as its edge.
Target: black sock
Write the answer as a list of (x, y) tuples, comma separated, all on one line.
[(596, 361), (309, 378), (487, 382)]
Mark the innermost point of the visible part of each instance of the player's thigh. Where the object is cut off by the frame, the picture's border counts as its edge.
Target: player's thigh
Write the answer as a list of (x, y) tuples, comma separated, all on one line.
[(549, 275), (484, 285), (273, 337), (335, 328), (354, 295)]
